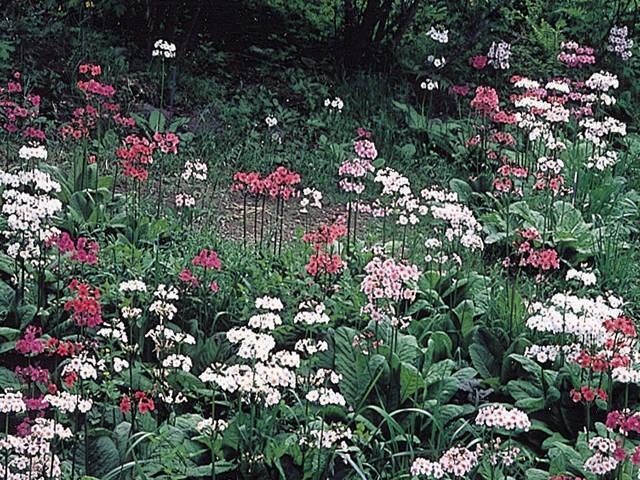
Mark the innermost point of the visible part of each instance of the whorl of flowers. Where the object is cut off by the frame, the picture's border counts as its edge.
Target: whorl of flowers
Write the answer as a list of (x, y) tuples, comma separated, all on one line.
[(499, 54), (602, 81), (460, 222), (576, 56), (162, 48), (498, 416), (438, 34), (278, 184), (334, 104), (583, 317), (458, 461), (388, 282), (619, 43), (485, 101)]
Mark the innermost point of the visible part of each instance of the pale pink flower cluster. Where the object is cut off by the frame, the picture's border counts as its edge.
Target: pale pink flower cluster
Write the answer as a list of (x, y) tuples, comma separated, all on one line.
[(311, 197), (602, 81), (185, 200), (602, 461), (550, 164), (498, 416), (252, 345), (365, 148), (269, 303), (195, 169), (586, 278), (626, 374), (352, 171), (387, 282), (169, 338), (12, 402), (325, 396), (595, 130), (163, 307), (403, 203), (460, 222), (178, 361), (132, 286), (29, 457), (311, 314), (542, 353), (66, 402), (311, 346), (458, 461), (85, 366), (114, 331), (328, 437), (208, 426), (265, 321)]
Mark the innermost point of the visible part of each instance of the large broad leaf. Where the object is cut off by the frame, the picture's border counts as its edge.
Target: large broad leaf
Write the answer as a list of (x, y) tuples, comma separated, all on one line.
[(410, 381), (536, 474), (8, 379), (571, 231), (487, 351), (465, 311), (532, 218), (527, 395), (417, 122), (101, 456), (7, 299), (358, 371)]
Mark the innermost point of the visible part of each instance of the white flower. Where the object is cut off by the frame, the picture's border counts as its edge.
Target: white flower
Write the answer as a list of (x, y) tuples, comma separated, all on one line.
[(162, 48), (271, 121)]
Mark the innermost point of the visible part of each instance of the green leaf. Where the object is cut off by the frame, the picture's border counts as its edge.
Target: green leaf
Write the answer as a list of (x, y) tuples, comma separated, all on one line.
[(356, 369), (536, 474), (408, 151), (26, 313), (465, 311), (410, 380), (8, 379), (102, 456), (487, 352), (157, 121), (528, 364), (462, 188), (527, 395), (439, 345)]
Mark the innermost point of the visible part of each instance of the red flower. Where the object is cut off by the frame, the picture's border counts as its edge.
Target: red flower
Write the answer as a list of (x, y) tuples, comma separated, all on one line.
[(587, 393), (575, 395), (602, 395), (125, 404), (70, 379)]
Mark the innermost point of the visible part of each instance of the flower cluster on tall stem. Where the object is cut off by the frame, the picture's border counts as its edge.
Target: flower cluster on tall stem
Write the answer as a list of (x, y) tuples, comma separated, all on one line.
[(279, 185)]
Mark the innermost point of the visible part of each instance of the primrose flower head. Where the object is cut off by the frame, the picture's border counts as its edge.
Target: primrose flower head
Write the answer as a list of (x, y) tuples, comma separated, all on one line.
[(162, 48), (271, 121)]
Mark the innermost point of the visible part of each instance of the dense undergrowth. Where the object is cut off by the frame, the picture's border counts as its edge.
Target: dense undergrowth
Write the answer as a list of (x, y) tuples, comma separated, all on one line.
[(233, 254)]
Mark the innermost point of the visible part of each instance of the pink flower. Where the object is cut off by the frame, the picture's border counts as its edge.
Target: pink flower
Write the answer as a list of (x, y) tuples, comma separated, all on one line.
[(485, 100), (478, 62), (207, 259)]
